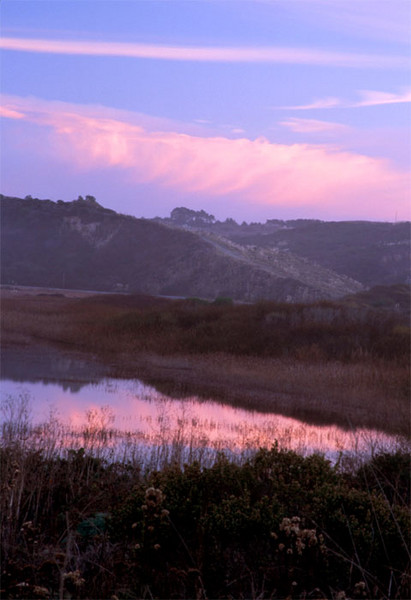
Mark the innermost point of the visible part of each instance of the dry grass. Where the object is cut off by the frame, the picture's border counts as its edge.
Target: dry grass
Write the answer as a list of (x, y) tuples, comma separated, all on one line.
[(350, 395)]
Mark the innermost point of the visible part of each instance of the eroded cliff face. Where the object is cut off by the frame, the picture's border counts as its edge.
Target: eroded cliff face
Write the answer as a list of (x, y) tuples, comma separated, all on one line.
[(81, 245)]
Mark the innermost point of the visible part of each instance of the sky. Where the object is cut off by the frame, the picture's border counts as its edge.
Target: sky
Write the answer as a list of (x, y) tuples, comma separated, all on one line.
[(248, 109)]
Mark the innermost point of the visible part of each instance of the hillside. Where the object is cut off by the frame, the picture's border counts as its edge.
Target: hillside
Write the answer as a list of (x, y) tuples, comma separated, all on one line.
[(82, 245), (370, 252)]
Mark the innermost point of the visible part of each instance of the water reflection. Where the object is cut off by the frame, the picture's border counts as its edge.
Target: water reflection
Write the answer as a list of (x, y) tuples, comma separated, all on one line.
[(120, 416), (68, 370)]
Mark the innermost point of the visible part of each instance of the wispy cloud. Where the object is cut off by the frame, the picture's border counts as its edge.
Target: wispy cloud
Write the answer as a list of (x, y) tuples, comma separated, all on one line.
[(256, 171), (313, 126), (373, 98), (284, 55), (367, 98), (329, 102)]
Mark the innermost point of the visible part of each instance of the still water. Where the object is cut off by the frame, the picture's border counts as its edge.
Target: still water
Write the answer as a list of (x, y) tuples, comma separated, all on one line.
[(68, 399)]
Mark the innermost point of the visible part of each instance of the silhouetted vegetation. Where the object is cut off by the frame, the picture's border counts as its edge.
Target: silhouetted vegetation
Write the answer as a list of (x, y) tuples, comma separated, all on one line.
[(275, 525)]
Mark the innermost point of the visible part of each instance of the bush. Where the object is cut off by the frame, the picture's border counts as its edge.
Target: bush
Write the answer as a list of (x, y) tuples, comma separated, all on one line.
[(276, 526)]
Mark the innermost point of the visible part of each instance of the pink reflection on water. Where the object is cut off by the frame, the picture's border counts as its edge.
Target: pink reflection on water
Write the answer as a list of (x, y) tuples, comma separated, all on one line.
[(126, 409)]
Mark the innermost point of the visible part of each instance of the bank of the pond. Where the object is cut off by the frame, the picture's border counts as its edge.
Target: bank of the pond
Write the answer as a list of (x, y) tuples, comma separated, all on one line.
[(350, 396)]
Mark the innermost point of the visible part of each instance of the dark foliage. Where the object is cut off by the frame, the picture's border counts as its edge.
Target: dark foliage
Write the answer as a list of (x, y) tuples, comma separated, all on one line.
[(277, 526), (322, 331)]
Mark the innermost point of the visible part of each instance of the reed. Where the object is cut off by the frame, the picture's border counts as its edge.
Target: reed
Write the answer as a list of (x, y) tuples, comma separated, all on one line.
[(307, 333)]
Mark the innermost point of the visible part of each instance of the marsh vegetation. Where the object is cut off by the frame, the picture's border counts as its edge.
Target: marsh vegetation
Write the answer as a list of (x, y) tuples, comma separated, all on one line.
[(326, 362), (80, 521)]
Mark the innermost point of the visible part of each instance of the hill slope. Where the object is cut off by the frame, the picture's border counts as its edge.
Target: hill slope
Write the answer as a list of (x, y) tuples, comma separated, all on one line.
[(82, 245), (370, 252)]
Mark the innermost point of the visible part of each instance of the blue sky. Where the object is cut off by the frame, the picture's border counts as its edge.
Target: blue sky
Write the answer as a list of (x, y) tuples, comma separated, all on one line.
[(249, 109)]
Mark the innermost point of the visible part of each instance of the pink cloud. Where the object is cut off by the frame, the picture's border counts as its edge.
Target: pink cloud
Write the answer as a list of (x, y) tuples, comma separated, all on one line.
[(313, 126), (368, 98), (329, 102), (256, 171), (270, 54), (9, 113), (374, 98)]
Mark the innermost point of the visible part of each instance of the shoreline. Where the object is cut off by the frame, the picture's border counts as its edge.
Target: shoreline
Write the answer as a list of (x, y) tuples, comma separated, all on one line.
[(273, 386)]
